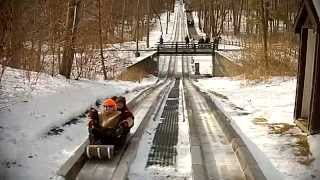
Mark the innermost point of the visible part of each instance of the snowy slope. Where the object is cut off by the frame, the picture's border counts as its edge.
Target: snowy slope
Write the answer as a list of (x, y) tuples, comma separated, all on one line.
[(29, 150), (263, 115)]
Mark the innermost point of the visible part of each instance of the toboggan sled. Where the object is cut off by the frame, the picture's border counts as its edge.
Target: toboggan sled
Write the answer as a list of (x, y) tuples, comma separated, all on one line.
[(104, 152)]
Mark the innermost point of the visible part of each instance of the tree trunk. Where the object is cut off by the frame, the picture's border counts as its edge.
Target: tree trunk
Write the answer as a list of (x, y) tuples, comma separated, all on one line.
[(15, 44), (148, 23), (101, 43), (264, 22), (70, 37), (37, 67), (137, 29), (167, 22), (122, 20)]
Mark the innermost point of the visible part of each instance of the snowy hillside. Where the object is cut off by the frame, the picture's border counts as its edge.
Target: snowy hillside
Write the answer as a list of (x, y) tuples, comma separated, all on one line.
[(263, 113), (42, 121)]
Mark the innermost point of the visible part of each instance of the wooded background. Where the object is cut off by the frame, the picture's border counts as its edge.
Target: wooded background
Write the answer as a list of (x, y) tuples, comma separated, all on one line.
[(46, 35), (32, 30), (264, 28)]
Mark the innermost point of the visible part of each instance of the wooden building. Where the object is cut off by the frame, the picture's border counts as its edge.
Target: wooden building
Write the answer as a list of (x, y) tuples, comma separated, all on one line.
[(307, 103)]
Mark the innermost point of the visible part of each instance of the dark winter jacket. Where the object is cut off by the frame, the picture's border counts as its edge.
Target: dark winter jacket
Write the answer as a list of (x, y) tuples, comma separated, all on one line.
[(207, 40), (161, 40), (201, 41), (187, 39), (125, 115)]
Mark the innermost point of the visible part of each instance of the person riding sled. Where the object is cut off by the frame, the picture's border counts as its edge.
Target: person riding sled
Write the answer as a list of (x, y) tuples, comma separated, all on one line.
[(126, 119), (112, 125)]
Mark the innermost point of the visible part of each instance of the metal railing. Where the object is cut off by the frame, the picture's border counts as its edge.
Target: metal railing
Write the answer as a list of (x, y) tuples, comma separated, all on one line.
[(182, 47)]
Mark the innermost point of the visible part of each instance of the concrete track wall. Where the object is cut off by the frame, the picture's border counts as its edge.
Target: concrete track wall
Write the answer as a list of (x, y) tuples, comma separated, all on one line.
[(139, 70), (225, 67)]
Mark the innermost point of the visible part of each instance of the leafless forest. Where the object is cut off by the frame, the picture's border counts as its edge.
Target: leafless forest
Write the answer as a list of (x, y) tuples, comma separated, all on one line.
[(65, 36), (264, 28)]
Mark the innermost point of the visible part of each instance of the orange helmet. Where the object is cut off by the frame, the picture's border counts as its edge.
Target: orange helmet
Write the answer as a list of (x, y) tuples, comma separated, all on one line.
[(110, 103)]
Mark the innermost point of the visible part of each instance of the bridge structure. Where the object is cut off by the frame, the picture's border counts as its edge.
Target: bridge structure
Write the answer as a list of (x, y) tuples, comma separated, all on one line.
[(181, 48), (178, 48), (192, 49)]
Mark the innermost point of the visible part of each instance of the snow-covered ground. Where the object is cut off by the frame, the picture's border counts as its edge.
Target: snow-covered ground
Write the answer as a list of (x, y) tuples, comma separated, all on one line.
[(263, 113), (205, 64), (196, 24), (42, 123), (234, 56), (37, 136)]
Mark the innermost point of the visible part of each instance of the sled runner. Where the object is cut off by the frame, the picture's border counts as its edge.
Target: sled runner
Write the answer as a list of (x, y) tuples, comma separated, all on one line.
[(108, 129), (102, 152)]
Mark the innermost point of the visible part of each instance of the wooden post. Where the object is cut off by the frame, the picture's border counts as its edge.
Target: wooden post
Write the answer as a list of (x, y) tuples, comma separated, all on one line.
[(176, 47), (148, 23), (158, 65), (314, 121), (213, 63), (137, 29), (301, 73)]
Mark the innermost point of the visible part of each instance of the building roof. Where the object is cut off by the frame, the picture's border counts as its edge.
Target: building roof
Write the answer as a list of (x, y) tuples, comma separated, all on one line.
[(316, 4), (308, 8)]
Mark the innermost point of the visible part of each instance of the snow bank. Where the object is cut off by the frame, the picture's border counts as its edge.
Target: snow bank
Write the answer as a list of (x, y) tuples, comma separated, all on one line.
[(31, 110), (263, 114)]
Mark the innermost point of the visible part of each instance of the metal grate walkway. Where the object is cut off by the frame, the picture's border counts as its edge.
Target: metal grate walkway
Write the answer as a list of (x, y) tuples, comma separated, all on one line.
[(163, 150)]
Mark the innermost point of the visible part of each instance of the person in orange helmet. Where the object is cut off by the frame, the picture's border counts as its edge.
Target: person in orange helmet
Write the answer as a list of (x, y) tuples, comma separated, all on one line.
[(102, 125)]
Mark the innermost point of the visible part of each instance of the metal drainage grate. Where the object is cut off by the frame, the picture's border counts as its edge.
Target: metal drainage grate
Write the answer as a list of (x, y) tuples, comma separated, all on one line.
[(174, 93), (163, 150), (172, 102)]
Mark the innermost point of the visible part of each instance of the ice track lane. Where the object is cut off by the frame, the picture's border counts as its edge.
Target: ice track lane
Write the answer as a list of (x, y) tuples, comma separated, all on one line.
[(212, 154), (97, 169)]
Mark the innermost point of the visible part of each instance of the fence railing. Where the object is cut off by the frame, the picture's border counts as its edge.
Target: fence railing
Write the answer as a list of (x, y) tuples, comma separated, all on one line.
[(182, 47), (231, 42)]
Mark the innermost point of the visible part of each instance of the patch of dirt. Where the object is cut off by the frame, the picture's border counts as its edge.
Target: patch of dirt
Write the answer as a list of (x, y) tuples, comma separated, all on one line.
[(300, 145), (280, 128), (302, 150), (260, 121)]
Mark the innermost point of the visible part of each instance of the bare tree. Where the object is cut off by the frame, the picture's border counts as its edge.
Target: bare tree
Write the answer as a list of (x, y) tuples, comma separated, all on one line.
[(70, 36), (237, 8), (264, 21), (47, 35), (100, 38)]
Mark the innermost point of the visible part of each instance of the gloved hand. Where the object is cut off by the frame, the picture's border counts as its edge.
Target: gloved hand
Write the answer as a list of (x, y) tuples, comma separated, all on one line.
[(124, 124), (119, 131), (93, 118), (127, 123)]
